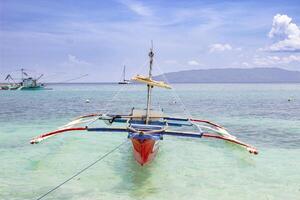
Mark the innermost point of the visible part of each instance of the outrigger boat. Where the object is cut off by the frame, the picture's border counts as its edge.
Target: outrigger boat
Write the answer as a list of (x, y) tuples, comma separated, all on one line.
[(27, 82), (145, 128)]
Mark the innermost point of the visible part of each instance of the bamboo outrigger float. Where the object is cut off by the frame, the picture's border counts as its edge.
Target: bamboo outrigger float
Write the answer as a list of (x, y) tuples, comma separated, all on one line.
[(145, 128)]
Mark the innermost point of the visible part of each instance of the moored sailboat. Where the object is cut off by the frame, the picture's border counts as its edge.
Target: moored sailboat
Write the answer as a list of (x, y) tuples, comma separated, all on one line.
[(123, 79)]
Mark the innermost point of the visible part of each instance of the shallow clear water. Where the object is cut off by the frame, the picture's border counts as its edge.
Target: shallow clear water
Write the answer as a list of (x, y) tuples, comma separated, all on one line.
[(259, 114)]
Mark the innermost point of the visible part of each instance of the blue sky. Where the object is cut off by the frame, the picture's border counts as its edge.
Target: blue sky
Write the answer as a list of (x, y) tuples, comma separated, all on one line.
[(64, 39)]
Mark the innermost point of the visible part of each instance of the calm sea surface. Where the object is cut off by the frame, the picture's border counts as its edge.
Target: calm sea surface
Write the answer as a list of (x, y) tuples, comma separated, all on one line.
[(259, 114)]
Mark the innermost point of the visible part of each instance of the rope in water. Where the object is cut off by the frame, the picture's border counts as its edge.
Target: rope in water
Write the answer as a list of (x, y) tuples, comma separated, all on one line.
[(82, 170)]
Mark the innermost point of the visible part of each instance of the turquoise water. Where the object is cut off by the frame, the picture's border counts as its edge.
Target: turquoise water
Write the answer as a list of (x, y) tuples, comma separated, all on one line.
[(259, 114)]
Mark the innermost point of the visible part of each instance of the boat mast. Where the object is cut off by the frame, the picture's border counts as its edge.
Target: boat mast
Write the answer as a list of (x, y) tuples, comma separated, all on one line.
[(151, 54), (124, 73), (22, 71)]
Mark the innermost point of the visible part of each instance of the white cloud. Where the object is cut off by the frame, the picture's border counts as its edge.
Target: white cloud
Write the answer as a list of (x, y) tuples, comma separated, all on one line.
[(291, 58), (137, 7), (193, 63), (275, 60), (263, 61), (219, 47), (245, 64), (75, 61), (285, 33)]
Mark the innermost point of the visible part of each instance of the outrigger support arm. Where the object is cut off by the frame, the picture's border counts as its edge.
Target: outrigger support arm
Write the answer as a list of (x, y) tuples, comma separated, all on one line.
[(219, 131), (224, 135), (44, 136), (47, 135), (249, 148)]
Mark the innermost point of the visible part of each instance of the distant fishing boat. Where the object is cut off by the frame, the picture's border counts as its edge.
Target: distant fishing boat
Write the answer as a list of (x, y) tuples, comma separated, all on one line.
[(146, 127), (9, 87), (123, 79), (27, 82)]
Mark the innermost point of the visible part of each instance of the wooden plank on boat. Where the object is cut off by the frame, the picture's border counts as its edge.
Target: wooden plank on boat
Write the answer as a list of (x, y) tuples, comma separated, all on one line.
[(149, 81)]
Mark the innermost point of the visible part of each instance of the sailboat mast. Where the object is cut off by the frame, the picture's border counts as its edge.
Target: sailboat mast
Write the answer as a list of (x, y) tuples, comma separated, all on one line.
[(22, 72), (151, 54), (124, 69)]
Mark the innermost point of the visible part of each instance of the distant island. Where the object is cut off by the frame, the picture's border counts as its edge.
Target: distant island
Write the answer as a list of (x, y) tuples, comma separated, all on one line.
[(233, 75)]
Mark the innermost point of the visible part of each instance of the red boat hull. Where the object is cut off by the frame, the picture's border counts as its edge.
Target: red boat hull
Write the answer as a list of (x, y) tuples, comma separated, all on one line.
[(144, 150)]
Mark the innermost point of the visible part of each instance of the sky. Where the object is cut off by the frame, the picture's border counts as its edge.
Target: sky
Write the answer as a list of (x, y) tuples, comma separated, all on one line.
[(66, 39)]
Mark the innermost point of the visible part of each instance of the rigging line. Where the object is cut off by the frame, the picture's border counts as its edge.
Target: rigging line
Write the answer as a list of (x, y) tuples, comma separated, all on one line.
[(175, 95), (140, 70), (137, 71), (82, 170), (142, 67), (123, 89), (109, 102), (65, 81), (73, 79), (52, 75)]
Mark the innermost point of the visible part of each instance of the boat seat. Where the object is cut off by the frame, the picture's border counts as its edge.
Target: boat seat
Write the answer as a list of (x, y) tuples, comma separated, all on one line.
[(146, 127)]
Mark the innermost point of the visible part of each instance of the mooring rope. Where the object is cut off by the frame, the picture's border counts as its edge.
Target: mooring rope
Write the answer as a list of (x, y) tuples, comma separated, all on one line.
[(82, 170)]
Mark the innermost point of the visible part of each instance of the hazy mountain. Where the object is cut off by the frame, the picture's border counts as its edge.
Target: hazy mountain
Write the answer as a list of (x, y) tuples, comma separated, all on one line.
[(233, 75)]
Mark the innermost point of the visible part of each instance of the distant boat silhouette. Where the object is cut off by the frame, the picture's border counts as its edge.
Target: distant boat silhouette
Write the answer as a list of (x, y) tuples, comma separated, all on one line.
[(26, 83), (123, 79)]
